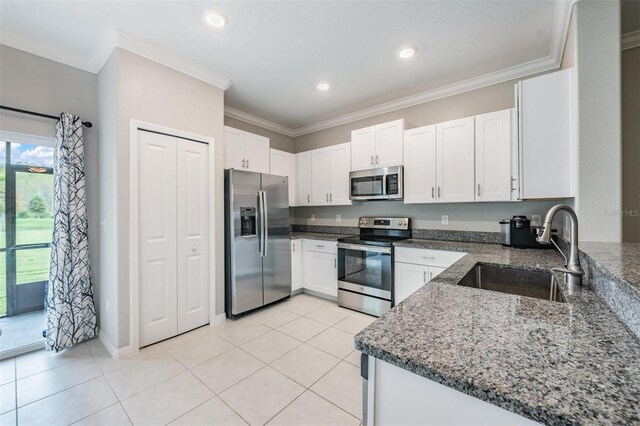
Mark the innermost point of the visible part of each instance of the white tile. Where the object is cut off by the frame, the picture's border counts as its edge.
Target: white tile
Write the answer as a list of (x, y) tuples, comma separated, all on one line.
[(354, 324), (212, 413), (315, 300), (305, 364), (8, 419), (7, 397), (7, 371), (166, 401), (303, 328), (36, 362), (262, 395), (183, 338), (311, 410), (301, 306), (69, 406), (143, 374), (337, 342), (330, 314), (274, 317), (198, 351), (240, 331), (270, 346), (48, 382), (354, 358), (343, 387), (112, 416), (226, 370)]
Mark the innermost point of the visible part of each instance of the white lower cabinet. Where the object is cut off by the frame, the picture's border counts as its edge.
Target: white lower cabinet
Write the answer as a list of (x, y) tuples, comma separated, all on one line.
[(320, 267), (296, 264), (416, 267)]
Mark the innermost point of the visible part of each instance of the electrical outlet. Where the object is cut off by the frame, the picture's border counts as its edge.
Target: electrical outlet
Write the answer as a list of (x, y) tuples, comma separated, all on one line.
[(338, 218), (445, 219), (536, 220), (313, 218)]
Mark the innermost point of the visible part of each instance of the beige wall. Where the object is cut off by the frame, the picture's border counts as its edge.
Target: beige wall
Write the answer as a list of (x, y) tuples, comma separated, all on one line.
[(487, 99), (276, 140), (631, 145), (153, 93), (34, 83), (599, 195)]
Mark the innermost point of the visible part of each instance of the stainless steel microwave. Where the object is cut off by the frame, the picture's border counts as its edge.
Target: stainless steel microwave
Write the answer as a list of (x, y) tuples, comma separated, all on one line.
[(377, 184)]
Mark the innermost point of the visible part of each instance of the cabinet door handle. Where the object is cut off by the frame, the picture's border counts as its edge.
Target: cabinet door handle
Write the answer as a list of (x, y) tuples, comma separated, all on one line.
[(513, 180), (433, 192), (377, 160), (430, 275), (335, 263), (438, 192), (243, 163), (293, 246), (372, 160), (308, 199), (327, 197), (424, 276), (247, 164), (331, 197), (478, 190)]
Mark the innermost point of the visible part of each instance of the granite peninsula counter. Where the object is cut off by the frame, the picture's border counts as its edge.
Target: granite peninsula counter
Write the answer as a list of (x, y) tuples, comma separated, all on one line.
[(555, 363)]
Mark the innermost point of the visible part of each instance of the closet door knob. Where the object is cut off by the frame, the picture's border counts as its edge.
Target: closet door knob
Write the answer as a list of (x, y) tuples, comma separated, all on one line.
[(194, 248)]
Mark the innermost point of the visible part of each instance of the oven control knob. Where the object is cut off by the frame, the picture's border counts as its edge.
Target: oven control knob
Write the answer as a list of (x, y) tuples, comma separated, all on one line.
[(364, 222)]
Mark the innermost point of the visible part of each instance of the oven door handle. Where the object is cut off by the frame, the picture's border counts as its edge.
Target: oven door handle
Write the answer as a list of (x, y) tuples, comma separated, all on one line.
[(358, 247)]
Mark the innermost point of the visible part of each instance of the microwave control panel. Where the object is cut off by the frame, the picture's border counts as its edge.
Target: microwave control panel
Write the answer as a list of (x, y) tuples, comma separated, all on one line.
[(392, 184)]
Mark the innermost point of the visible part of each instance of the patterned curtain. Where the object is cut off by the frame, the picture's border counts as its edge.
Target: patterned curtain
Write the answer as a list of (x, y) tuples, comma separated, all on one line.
[(71, 313)]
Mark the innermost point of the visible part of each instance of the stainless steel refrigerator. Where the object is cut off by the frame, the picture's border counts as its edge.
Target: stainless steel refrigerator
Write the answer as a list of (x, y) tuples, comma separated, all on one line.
[(257, 247)]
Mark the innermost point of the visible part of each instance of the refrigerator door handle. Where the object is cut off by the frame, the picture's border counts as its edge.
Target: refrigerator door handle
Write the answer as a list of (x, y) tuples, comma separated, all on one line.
[(265, 216), (262, 224)]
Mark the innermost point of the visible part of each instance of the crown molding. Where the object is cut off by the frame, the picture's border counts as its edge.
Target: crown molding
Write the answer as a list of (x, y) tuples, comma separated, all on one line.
[(102, 52), (155, 54), (630, 40), (257, 121)]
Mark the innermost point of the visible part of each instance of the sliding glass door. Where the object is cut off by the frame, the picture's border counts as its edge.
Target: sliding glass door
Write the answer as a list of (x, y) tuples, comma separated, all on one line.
[(26, 178)]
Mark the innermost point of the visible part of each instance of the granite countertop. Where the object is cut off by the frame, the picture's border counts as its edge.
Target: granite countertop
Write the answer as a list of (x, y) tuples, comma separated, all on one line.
[(556, 363), (315, 236)]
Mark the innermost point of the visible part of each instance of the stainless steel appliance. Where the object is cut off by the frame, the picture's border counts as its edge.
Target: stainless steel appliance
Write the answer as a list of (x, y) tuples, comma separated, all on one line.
[(377, 184), (257, 248), (365, 264), (519, 233)]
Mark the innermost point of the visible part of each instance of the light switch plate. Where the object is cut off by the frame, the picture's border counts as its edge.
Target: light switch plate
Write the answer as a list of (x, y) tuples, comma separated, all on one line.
[(536, 220), (338, 218), (445, 219), (313, 218)]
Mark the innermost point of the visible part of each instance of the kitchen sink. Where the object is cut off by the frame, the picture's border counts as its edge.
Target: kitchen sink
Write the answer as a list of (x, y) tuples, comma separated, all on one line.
[(522, 282)]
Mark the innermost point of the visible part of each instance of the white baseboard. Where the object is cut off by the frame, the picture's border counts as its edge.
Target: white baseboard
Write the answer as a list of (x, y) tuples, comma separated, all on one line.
[(219, 319), (115, 353)]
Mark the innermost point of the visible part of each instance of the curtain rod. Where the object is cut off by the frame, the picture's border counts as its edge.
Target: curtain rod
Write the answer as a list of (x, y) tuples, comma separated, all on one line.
[(39, 114)]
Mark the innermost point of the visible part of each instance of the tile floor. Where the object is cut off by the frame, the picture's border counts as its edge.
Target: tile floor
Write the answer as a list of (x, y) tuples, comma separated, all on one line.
[(290, 364), (21, 330)]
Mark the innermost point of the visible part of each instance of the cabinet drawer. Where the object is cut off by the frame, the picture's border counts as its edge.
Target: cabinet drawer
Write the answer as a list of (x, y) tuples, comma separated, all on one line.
[(440, 258), (320, 246)]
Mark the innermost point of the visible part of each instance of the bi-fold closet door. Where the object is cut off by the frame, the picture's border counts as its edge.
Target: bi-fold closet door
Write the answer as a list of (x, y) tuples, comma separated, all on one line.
[(173, 224)]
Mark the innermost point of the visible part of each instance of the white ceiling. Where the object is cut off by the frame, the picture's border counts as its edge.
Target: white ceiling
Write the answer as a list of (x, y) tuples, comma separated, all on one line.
[(274, 53)]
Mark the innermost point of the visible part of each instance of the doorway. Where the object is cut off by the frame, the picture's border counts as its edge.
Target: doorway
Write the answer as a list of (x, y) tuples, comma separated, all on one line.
[(26, 228)]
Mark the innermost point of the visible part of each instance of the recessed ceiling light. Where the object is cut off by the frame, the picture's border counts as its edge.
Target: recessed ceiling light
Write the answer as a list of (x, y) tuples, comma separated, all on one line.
[(407, 52), (216, 19), (323, 87)]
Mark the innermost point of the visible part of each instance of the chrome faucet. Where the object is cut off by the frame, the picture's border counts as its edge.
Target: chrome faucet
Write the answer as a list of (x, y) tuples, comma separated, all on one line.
[(572, 269)]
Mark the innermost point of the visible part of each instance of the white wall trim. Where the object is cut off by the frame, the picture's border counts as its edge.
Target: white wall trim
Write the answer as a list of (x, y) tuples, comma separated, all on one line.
[(115, 353), (219, 319), (134, 272), (630, 40), (103, 51), (257, 121)]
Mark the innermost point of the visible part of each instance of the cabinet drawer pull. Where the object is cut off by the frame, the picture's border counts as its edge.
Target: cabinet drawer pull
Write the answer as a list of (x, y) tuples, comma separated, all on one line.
[(428, 257), (319, 246)]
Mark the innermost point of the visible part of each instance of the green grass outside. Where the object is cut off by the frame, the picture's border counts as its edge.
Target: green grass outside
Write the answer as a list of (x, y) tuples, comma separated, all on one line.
[(31, 265)]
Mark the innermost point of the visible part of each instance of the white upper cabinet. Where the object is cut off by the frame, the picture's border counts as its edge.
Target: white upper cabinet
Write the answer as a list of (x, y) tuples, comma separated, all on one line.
[(455, 164), (303, 161), (494, 145), (284, 164), (377, 146), (420, 165), (545, 137), (245, 151), (330, 175)]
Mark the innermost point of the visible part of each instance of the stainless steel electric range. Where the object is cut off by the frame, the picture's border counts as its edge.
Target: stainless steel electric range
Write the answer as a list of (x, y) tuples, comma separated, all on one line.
[(365, 264)]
